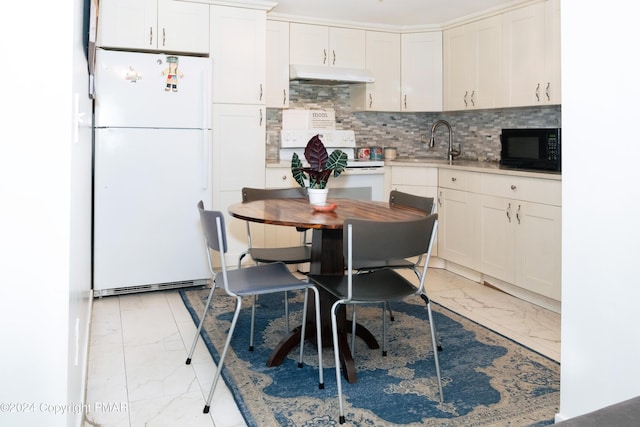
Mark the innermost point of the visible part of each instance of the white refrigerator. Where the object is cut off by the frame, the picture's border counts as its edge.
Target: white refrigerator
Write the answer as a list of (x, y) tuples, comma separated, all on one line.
[(152, 164)]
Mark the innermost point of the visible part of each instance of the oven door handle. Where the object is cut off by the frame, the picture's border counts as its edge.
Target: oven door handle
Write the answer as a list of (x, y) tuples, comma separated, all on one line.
[(379, 170)]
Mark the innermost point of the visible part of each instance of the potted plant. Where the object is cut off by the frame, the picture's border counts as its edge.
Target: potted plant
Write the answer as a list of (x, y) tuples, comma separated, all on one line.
[(321, 167)]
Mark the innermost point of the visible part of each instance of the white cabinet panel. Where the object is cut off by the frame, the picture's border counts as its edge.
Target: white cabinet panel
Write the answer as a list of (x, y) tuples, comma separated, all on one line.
[(329, 46), (277, 64), (458, 230), (166, 25), (239, 147), (383, 61), (421, 71), (531, 55), (238, 161), (472, 65), (238, 51)]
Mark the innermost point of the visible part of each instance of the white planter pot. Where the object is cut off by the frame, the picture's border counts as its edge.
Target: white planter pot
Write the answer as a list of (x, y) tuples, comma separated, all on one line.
[(317, 196)]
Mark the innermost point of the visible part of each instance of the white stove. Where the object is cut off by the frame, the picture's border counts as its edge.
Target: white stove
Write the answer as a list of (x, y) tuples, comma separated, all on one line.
[(295, 141), (362, 179)]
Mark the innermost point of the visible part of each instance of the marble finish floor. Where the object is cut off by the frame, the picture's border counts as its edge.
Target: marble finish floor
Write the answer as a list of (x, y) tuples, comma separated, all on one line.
[(137, 374)]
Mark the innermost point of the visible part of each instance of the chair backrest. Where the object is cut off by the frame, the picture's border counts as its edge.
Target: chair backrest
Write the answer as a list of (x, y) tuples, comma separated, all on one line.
[(210, 228), (399, 198), (252, 194), (386, 240)]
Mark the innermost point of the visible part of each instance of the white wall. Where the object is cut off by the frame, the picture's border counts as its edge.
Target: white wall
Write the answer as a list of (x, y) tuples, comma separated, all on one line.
[(45, 182), (601, 207)]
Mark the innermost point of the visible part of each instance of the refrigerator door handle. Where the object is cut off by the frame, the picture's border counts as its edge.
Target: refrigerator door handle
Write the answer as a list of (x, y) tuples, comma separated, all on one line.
[(206, 100), (206, 160)]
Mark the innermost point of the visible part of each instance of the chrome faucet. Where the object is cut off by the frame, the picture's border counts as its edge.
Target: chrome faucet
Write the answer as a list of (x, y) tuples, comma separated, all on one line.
[(451, 152)]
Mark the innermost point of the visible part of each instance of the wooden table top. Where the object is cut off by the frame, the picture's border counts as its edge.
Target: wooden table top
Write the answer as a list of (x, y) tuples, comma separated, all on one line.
[(299, 213)]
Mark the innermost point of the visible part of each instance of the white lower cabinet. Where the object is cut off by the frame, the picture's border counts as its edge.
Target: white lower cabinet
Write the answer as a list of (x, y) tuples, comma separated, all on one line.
[(458, 228), (507, 228), (458, 232), (521, 232), (521, 244), (420, 181)]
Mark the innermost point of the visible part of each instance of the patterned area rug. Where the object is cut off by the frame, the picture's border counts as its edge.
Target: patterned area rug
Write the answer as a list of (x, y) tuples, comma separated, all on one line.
[(488, 379)]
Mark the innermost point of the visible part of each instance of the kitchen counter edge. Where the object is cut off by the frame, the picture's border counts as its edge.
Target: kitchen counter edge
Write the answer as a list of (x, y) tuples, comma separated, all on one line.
[(468, 165)]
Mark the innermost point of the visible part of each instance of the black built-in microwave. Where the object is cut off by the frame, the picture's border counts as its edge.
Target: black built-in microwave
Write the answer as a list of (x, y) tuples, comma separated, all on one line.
[(537, 149)]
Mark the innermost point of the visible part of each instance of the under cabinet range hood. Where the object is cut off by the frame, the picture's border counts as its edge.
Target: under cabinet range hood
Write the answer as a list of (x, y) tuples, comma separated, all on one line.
[(329, 75)]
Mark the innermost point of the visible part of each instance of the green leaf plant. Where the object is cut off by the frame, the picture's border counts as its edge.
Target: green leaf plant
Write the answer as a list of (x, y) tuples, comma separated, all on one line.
[(321, 165)]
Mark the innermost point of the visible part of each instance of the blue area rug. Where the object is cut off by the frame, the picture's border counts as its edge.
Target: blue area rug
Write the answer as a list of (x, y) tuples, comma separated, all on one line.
[(488, 379)]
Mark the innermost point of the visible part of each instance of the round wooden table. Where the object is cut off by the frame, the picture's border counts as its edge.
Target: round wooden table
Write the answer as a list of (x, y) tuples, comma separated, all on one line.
[(326, 258)]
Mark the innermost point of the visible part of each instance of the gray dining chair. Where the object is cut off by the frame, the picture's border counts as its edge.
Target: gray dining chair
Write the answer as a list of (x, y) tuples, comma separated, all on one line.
[(397, 199), (254, 280), (366, 240), (264, 255)]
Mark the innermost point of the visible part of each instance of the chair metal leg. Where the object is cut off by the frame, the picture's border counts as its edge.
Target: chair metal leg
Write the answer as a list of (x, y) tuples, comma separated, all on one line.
[(204, 313), (253, 321), (388, 304), (304, 325), (384, 330), (318, 333), (318, 338), (435, 345), (224, 354), (336, 355), (286, 312)]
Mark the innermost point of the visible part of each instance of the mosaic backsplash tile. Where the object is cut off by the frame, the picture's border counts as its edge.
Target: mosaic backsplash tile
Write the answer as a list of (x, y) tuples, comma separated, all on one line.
[(478, 131)]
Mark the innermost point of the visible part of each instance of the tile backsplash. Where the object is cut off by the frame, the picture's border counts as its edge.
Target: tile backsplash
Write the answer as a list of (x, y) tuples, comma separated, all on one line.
[(478, 131)]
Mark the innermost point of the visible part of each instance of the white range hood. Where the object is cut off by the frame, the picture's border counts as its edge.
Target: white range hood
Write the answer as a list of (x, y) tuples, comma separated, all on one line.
[(329, 75)]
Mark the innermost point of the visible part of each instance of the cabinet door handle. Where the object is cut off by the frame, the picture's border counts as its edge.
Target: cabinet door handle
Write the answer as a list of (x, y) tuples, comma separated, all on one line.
[(261, 117), (440, 199), (370, 100), (334, 57), (513, 187), (473, 98), (454, 179), (260, 97), (150, 36), (518, 214), (466, 94), (405, 102), (509, 212), (164, 36), (324, 60), (548, 91), (284, 96), (538, 92)]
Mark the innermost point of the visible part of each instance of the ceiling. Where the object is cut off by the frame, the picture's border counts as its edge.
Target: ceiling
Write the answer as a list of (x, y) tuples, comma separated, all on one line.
[(400, 13)]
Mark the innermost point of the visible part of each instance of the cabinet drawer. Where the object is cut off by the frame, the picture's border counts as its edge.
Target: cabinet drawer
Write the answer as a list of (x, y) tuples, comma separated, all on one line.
[(279, 178), (543, 191), (459, 180), (404, 175)]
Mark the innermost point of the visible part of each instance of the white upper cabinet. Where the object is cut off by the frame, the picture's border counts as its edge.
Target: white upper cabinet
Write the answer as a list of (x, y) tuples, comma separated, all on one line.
[(472, 64), (531, 55), (165, 25), (238, 51), (383, 61), (553, 69), (277, 64), (421, 71), (330, 46)]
